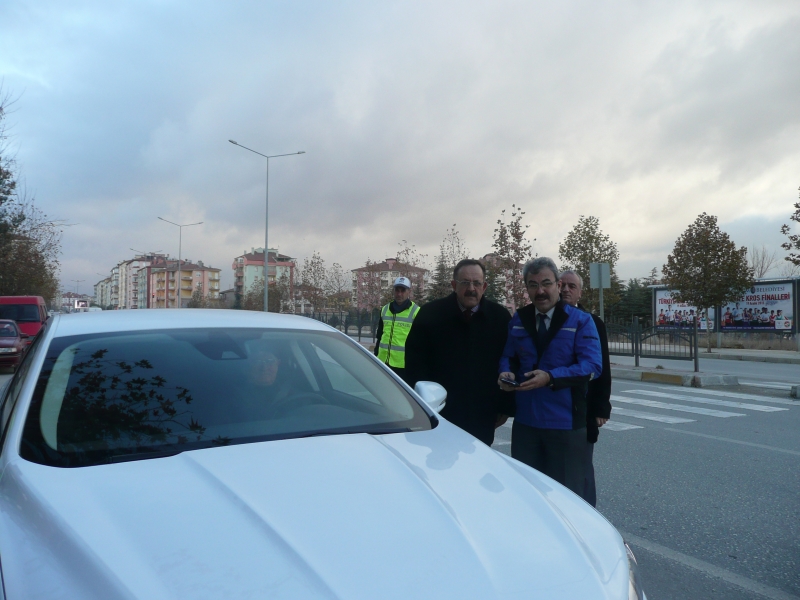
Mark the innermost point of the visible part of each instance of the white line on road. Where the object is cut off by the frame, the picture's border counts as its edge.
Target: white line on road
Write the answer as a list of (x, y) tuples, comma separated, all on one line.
[(617, 426), (707, 568), (773, 385), (758, 407), (738, 395), (740, 442), (679, 407), (627, 412)]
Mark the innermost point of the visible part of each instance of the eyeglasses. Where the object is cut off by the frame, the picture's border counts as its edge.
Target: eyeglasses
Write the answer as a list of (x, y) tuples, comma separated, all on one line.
[(268, 362), (546, 284), (467, 284)]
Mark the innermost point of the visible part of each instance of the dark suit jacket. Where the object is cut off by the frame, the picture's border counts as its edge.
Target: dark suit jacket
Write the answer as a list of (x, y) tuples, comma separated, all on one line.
[(598, 397), (463, 356)]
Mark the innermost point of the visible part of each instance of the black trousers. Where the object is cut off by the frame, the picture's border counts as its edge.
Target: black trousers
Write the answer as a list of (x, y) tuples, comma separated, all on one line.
[(590, 488), (558, 453)]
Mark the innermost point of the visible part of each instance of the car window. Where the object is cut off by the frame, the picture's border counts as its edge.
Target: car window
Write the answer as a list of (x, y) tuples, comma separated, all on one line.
[(109, 397), (22, 313), (8, 330)]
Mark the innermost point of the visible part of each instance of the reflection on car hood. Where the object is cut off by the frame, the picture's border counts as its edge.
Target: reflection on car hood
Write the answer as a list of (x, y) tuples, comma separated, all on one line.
[(432, 514)]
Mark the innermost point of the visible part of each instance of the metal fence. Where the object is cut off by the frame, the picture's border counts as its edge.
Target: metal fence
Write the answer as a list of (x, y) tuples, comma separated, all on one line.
[(673, 343), (352, 322)]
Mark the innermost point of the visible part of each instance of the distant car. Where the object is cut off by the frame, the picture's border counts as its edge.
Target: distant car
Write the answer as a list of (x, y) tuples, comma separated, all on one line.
[(234, 454), (29, 312), (12, 346)]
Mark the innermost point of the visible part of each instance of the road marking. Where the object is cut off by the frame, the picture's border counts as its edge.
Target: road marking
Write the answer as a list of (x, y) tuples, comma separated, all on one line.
[(758, 407), (739, 396), (627, 412), (740, 442), (707, 568), (501, 444), (617, 426), (774, 385), (678, 407)]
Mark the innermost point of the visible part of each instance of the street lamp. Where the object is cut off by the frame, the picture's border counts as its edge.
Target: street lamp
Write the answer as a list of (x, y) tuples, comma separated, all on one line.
[(143, 253), (166, 270), (78, 282), (266, 224)]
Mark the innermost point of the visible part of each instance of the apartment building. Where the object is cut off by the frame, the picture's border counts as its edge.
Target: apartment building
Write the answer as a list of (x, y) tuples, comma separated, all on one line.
[(371, 284), (102, 292), (168, 286), (249, 267)]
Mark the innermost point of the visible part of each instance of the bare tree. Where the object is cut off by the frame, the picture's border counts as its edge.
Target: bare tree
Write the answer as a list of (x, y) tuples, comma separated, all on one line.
[(762, 261), (314, 276), (337, 287), (512, 251)]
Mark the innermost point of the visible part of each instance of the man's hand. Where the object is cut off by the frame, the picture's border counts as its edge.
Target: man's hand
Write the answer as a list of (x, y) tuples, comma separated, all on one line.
[(601, 421), (500, 420), (536, 379), (504, 386)]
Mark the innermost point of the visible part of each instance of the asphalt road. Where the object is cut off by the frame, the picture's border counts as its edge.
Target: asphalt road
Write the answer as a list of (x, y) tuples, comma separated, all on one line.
[(710, 506)]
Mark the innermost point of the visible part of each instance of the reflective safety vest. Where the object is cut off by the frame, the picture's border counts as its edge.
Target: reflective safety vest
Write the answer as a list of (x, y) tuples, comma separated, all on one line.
[(392, 345)]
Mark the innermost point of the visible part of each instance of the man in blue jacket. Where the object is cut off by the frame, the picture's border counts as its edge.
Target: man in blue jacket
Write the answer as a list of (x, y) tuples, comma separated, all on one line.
[(551, 354)]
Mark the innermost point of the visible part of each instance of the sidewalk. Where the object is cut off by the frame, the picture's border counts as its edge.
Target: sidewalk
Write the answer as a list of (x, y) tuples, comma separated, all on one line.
[(791, 357), (683, 378)]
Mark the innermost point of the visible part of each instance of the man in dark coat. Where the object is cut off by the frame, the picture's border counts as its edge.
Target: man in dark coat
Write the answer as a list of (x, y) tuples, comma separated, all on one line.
[(457, 342), (598, 396)]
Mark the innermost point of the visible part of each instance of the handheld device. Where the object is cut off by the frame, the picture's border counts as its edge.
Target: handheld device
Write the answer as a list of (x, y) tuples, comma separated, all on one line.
[(510, 382)]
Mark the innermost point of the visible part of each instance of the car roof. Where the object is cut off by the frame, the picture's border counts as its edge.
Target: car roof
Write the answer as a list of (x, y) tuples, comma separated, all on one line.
[(183, 318)]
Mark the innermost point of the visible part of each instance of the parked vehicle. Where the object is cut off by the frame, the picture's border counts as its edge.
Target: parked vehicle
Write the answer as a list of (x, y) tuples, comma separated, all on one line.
[(12, 347), (29, 312), (232, 454)]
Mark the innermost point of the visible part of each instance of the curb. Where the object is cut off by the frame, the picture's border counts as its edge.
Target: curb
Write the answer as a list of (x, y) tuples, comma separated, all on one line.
[(673, 378)]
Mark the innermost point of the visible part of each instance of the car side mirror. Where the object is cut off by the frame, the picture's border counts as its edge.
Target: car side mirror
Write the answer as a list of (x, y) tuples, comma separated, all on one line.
[(432, 393)]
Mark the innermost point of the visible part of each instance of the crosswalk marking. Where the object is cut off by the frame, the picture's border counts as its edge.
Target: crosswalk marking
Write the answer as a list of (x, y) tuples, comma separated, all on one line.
[(773, 386), (627, 412), (678, 407), (758, 407), (706, 392), (617, 426)]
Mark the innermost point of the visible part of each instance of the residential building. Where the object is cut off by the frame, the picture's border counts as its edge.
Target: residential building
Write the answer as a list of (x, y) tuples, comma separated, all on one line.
[(249, 267), (129, 278), (102, 292), (372, 284), (170, 287)]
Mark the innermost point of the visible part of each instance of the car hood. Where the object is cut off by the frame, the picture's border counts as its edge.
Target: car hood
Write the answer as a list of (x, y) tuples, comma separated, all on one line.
[(432, 514)]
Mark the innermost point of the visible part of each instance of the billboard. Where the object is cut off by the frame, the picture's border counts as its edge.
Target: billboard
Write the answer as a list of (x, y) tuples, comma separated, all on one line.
[(671, 313), (765, 307)]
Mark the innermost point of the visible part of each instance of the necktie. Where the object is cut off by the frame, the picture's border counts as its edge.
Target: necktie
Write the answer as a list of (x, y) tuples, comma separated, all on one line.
[(467, 314), (542, 328)]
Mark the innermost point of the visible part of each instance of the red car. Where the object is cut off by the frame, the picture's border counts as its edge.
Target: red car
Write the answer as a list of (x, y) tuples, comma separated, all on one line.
[(12, 346)]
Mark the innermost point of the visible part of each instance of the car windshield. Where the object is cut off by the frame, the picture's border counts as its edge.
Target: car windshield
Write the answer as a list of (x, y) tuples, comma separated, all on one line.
[(112, 397), (8, 330), (21, 313)]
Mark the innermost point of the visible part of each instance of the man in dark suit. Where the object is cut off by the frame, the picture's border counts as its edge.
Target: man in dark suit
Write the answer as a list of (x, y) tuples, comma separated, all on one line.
[(457, 342), (598, 397), (552, 352)]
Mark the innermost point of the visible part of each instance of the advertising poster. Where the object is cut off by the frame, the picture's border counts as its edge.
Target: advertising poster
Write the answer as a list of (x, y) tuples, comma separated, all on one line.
[(670, 313), (766, 306)]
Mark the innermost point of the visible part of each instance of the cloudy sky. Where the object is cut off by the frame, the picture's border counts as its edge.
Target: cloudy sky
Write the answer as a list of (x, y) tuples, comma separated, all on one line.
[(413, 116)]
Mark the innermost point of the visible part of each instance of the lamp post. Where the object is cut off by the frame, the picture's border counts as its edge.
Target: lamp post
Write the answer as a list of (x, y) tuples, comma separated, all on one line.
[(266, 222), (166, 270)]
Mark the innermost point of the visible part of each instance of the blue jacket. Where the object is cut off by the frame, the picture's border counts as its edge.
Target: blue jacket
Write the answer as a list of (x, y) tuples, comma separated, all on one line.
[(570, 353)]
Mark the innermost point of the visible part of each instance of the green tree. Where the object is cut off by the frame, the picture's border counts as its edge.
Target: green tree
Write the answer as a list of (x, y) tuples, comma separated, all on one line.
[(794, 238), (30, 242), (512, 251), (442, 276), (586, 244), (706, 268), (314, 279)]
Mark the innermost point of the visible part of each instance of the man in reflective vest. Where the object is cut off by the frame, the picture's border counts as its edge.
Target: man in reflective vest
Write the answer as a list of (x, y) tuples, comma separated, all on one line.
[(393, 328)]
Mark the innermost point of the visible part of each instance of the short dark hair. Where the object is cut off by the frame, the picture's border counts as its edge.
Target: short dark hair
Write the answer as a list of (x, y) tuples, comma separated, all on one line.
[(468, 262)]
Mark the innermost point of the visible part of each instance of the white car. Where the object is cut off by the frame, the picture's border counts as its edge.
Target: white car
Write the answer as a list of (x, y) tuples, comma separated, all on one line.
[(231, 454)]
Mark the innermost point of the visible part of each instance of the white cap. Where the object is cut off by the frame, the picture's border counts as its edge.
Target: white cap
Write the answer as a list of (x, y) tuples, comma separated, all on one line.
[(403, 281)]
